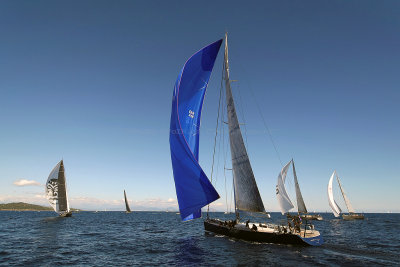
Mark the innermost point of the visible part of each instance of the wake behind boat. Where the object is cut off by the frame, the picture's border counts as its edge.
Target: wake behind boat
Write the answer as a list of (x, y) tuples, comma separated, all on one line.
[(56, 191), (193, 188)]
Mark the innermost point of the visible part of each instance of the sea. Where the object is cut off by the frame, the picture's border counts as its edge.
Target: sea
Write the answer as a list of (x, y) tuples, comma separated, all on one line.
[(31, 238)]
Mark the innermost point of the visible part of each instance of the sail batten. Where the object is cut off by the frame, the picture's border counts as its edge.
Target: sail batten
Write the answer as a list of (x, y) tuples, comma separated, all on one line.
[(193, 188), (247, 195), (346, 200), (128, 209), (332, 203), (284, 201), (301, 206)]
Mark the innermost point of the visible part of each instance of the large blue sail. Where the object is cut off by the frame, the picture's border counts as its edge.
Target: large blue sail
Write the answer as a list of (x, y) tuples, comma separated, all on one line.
[(193, 189)]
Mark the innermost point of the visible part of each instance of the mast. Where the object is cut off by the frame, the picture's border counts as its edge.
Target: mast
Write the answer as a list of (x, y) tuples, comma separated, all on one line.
[(247, 196), (346, 200), (126, 203), (301, 206)]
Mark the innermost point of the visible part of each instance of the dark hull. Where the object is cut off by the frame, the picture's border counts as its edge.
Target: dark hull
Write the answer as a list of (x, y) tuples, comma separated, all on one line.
[(68, 214), (316, 217), (353, 216), (249, 235)]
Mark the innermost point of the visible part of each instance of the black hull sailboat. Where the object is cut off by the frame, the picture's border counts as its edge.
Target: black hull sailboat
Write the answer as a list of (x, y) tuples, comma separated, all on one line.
[(194, 190), (56, 191), (263, 233)]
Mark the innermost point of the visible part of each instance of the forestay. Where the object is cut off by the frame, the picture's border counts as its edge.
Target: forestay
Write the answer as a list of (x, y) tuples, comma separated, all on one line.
[(332, 203), (247, 196), (193, 189)]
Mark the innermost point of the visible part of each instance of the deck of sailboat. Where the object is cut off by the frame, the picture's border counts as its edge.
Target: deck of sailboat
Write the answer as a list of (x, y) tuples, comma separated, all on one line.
[(267, 233)]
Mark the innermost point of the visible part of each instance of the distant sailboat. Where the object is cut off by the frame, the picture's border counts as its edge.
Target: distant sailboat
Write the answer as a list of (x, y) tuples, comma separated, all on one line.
[(285, 203), (56, 191), (193, 188), (335, 207), (128, 210)]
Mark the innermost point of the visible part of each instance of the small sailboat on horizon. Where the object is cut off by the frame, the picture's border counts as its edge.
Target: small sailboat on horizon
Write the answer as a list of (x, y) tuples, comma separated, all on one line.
[(128, 209), (193, 188), (284, 201), (335, 207), (56, 190)]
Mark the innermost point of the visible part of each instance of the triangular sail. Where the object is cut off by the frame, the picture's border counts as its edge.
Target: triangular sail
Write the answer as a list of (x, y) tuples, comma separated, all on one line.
[(193, 189), (56, 189), (247, 196), (283, 199), (332, 203), (301, 206), (346, 200), (126, 203)]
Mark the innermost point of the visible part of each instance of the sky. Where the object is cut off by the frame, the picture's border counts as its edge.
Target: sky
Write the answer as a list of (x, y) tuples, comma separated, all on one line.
[(91, 82)]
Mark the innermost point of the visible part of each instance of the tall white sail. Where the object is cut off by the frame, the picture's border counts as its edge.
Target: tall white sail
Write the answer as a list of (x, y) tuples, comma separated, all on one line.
[(56, 189), (346, 200), (247, 196), (283, 199), (332, 203), (301, 206)]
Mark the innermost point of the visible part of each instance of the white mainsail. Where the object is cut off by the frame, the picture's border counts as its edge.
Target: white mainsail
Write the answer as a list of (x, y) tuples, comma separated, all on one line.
[(301, 206), (284, 201), (332, 203), (247, 196), (346, 200), (56, 189)]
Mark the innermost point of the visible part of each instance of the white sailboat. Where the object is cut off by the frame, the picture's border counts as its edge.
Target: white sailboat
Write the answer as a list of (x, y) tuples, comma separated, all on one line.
[(335, 207), (284, 201), (56, 191)]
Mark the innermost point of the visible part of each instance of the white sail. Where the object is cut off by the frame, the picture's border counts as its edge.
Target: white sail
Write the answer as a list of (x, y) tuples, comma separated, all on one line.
[(301, 206), (284, 201), (56, 190), (332, 203), (346, 200)]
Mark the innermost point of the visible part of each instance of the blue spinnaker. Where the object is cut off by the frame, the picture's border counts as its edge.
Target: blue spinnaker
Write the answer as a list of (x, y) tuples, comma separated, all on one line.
[(193, 189)]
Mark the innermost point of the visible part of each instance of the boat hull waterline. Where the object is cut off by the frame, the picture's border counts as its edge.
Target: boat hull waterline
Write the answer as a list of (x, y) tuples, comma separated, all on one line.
[(264, 235), (353, 216)]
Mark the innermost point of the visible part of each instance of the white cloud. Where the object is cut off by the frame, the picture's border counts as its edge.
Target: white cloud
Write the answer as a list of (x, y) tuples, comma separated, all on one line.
[(24, 182)]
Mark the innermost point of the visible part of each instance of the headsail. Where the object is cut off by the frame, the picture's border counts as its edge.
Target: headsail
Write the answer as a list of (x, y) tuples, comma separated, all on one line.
[(247, 196), (284, 201), (193, 189), (346, 200), (126, 203), (56, 189), (332, 203), (301, 206)]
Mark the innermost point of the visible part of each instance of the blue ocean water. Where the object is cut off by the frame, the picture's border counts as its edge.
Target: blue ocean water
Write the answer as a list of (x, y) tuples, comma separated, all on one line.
[(160, 238)]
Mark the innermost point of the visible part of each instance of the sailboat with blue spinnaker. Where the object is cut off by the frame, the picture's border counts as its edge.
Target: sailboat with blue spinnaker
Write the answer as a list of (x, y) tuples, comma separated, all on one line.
[(193, 188)]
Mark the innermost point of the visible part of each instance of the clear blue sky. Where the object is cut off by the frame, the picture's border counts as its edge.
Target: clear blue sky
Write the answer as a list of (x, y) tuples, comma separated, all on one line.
[(92, 82)]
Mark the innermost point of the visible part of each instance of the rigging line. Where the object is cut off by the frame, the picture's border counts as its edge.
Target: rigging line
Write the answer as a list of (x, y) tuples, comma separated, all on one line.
[(242, 113), (263, 119), (215, 138), (266, 126)]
